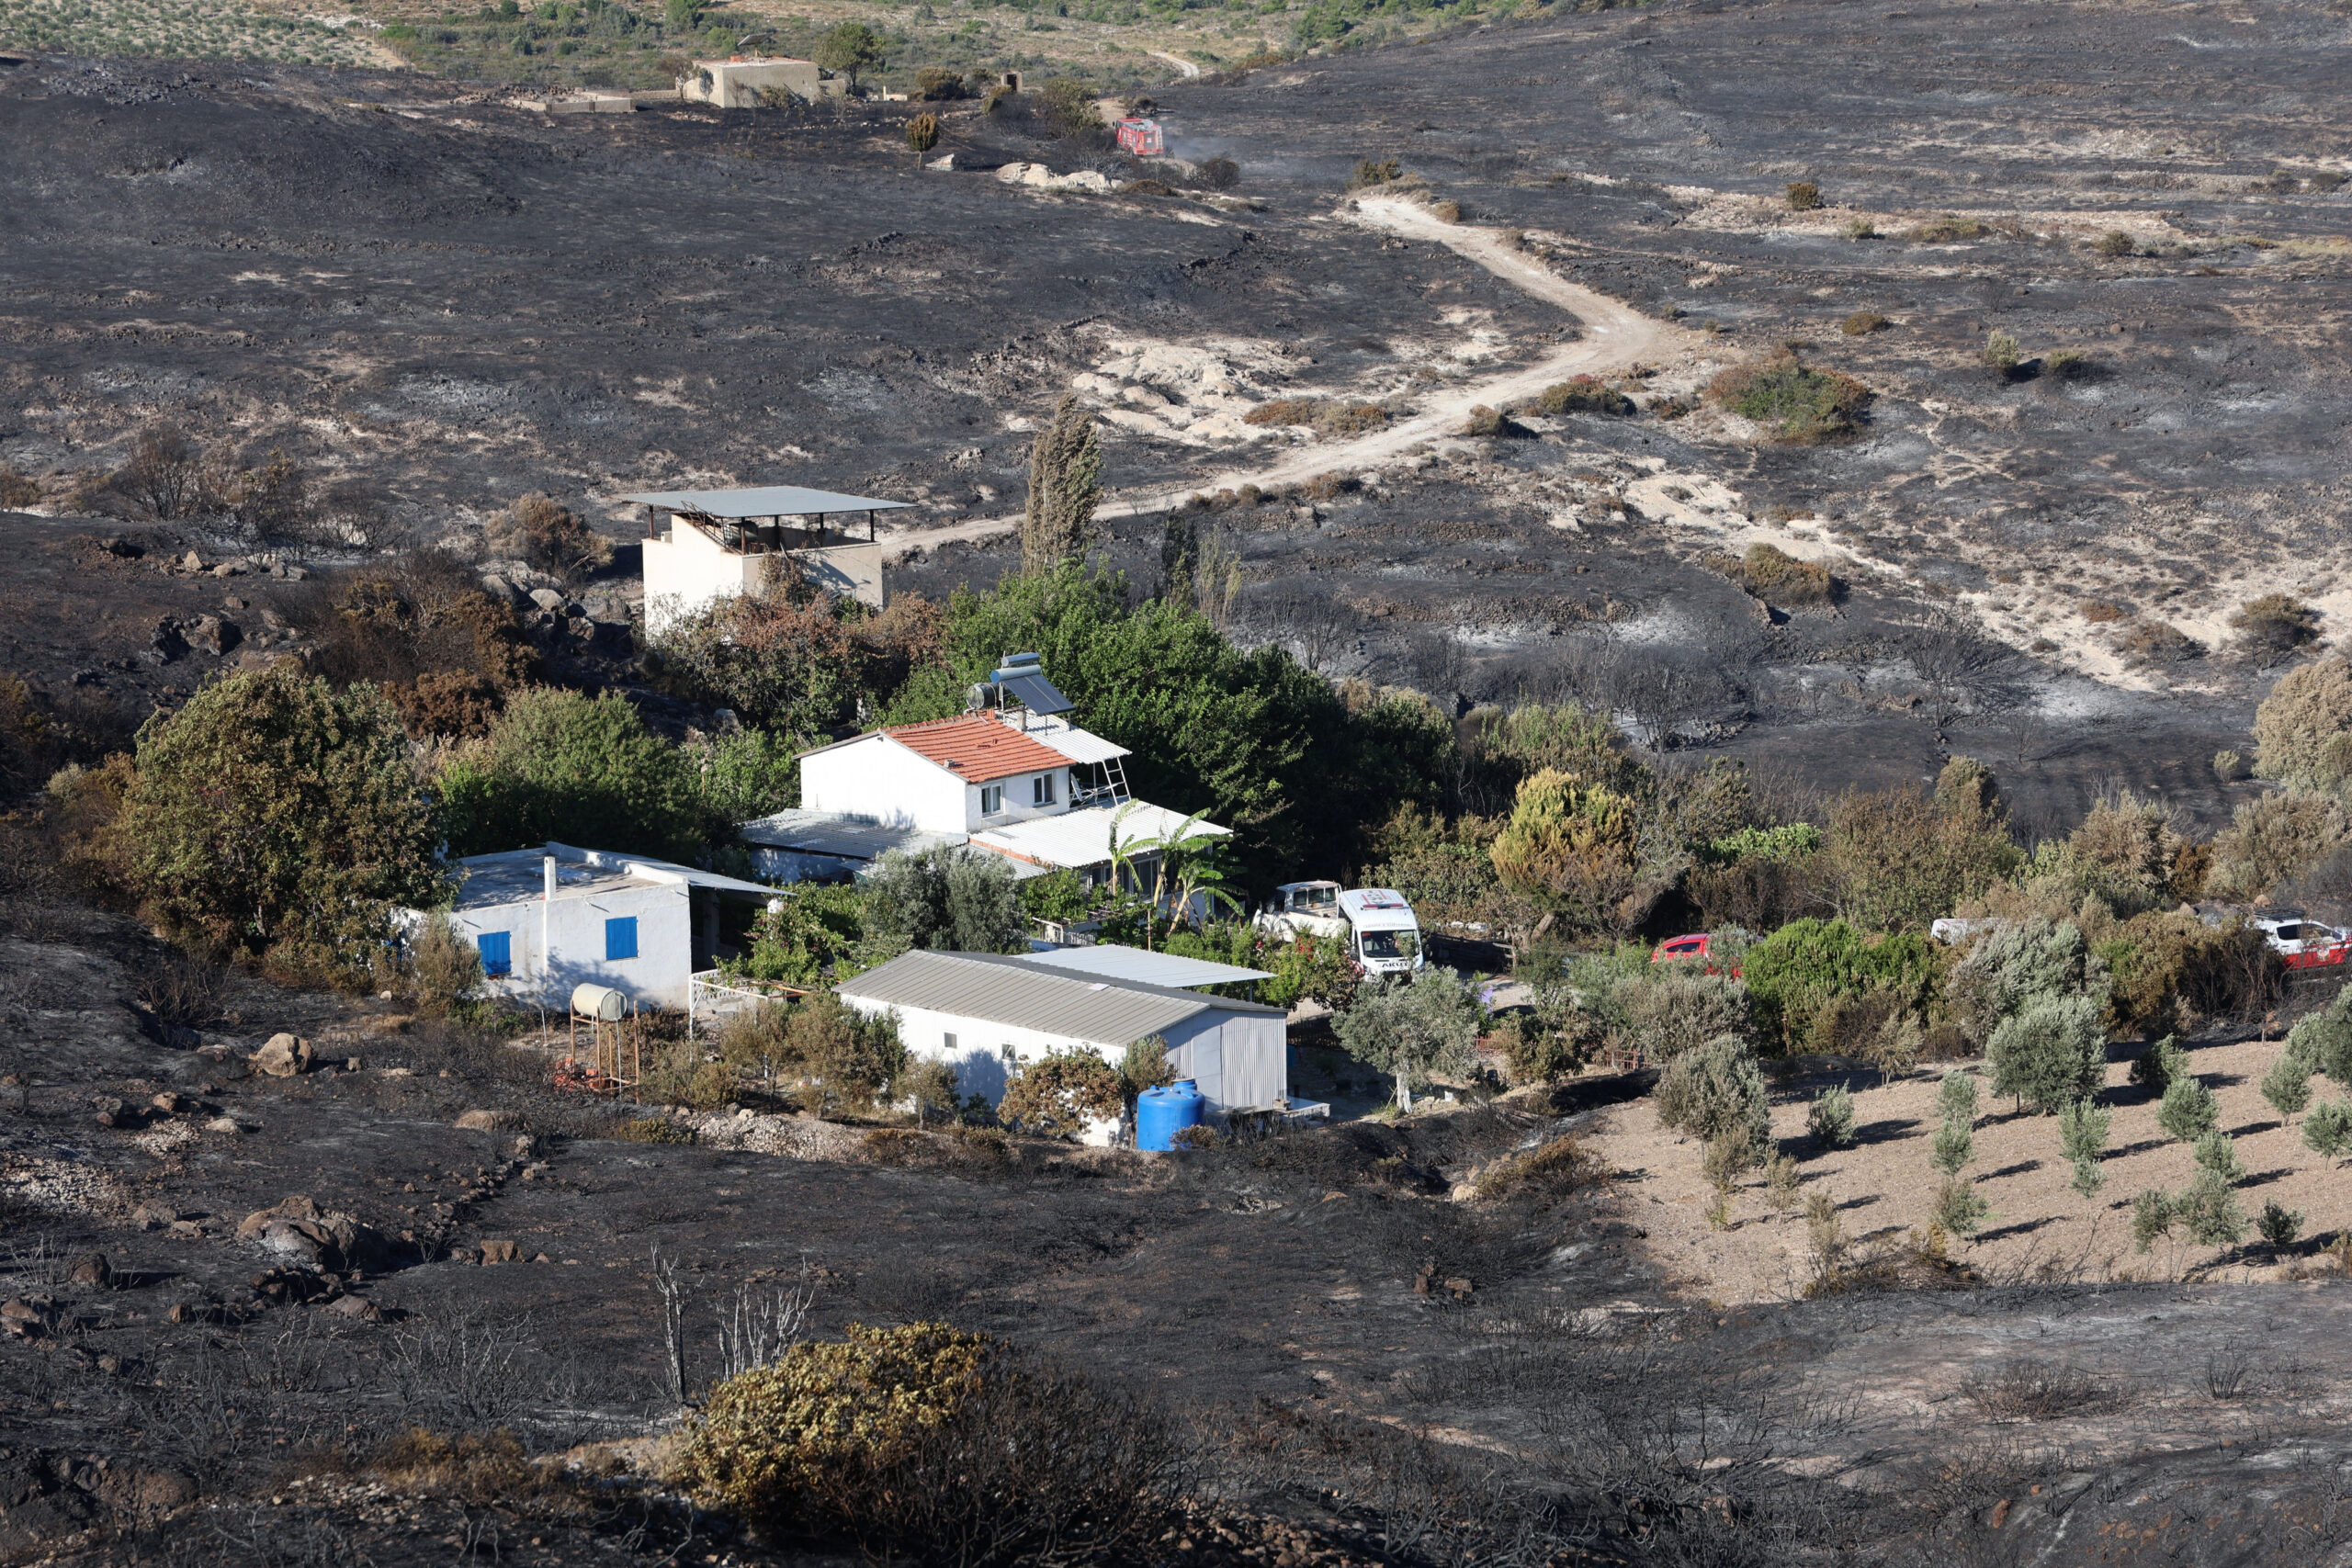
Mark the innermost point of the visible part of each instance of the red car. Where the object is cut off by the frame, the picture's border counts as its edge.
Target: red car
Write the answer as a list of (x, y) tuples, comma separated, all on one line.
[(1678, 949)]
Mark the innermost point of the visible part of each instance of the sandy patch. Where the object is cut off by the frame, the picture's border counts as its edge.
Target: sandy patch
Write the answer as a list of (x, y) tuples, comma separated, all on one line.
[(1885, 1186)]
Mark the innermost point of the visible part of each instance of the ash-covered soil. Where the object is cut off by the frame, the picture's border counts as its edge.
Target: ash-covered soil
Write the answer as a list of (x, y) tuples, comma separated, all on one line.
[(217, 1388), (440, 302)]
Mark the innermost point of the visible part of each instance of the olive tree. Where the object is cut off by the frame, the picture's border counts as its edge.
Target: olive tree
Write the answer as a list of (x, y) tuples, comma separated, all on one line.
[(273, 813), (1415, 1030)]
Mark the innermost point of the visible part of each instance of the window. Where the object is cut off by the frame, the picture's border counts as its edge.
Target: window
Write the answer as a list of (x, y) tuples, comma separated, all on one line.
[(1391, 944), (947, 1042), (991, 800), (497, 953), (1009, 1056), (1041, 790), (620, 938)]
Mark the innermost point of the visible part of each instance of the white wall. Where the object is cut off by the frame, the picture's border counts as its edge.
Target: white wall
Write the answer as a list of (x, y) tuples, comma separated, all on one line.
[(1017, 805), (736, 84), (687, 570), (1236, 1058), (657, 977), (875, 776)]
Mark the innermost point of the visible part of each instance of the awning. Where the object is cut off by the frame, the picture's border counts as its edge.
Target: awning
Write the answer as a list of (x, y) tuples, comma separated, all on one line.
[(767, 501)]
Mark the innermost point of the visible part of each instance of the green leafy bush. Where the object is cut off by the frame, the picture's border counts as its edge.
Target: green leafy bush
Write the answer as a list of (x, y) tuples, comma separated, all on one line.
[(2050, 1052), (2188, 1109), (2153, 1214), (2279, 1225), (558, 765), (1667, 1012), (2303, 730), (2017, 964), (947, 897), (1374, 172), (1799, 972), (1422, 1028), (1059, 1094), (2000, 352), (1715, 1089), (1830, 1120), (1795, 404), (2327, 1130), (1960, 1208), (2217, 1153), (2288, 1087), (2210, 1211)]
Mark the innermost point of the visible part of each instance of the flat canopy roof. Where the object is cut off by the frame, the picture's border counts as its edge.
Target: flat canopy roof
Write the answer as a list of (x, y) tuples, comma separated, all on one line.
[(1109, 960), (767, 501)]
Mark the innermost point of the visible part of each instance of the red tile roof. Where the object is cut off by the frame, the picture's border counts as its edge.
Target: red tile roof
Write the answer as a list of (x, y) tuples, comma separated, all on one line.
[(978, 750)]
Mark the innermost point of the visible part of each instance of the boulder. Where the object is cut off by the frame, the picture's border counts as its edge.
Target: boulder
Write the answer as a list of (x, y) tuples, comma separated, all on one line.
[(547, 599), (283, 1056), (298, 1234), (501, 1252), (490, 1121), (359, 1307), (224, 1124), (212, 634), (91, 1269), (191, 562)]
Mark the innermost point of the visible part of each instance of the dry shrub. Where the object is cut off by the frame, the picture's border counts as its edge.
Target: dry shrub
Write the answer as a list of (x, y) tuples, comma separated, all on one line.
[(1328, 487), (1351, 419), (937, 85), (168, 477), (2169, 971), (1484, 420), (1798, 405), (1059, 1095), (489, 1468), (2033, 1390), (2276, 623), (1946, 229), (1877, 1026), (2066, 364), (2099, 612), (2303, 731), (2114, 243), (1374, 172), (2273, 839), (1447, 211), (17, 490), (925, 1442), (1776, 577), (1549, 1170), (422, 629), (923, 133), (446, 967), (1284, 411), (652, 1130), (679, 1074), (1804, 195), (1861, 323), (1145, 187), (182, 990), (2158, 643), (1583, 394), (550, 538), (1220, 174)]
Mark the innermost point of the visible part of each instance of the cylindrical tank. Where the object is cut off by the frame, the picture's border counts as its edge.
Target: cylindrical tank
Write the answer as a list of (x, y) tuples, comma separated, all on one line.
[(1161, 1113), (600, 1002)]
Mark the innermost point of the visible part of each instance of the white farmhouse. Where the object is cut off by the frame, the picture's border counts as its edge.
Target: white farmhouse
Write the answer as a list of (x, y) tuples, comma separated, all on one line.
[(546, 919), (1017, 779), (726, 543), (986, 1015)]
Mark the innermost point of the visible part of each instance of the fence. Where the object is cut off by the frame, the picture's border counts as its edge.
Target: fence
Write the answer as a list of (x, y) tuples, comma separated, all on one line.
[(714, 994)]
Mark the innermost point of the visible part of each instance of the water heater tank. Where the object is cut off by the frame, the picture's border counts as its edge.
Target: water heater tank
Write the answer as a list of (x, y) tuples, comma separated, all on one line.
[(600, 1002)]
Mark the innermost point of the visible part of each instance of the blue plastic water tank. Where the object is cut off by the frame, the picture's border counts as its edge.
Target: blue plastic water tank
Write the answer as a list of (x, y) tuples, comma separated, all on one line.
[(1161, 1113)]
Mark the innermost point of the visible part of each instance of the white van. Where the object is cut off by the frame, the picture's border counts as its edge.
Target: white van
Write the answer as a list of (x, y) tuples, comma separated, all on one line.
[(1382, 935)]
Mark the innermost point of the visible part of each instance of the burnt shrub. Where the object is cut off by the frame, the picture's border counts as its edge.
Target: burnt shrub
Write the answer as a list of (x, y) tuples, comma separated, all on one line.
[(1795, 404), (923, 133), (167, 478), (2039, 1391), (1220, 172), (925, 1442), (2275, 622)]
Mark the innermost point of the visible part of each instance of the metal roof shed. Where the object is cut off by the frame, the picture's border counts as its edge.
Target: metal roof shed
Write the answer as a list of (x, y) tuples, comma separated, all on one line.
[(988, 1014), (728, 542), (1112, 961)]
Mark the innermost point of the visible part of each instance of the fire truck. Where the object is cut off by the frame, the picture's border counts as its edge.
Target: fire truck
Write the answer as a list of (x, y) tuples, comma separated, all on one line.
[(1141, 138)]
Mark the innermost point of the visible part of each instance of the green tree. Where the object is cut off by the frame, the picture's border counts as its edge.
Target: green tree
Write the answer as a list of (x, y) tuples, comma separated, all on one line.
[(1058, 1095), (2153, 1214), (2188, 1111), (752, 773), (1715, 1089), (2288, 1087), (2280, 1224), (1414, 1031), (1065, 487), (2328, 1129), (560, 766), (948, 896), (271, 812), (684, 16), (2082, 1129), (1574, 845), (850, 49), (1142, 1065), (2210, 1211), (2052, 1051), (2217, 1153), (1956, 1098), (1954, 1147), (1960, 1208)]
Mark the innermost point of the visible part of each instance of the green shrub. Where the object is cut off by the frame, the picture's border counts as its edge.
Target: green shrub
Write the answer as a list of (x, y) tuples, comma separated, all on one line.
[(2210, 1211), (1799, 972), (1583, 394), (2279, 1225), (1960, 1208), (2065, 363), (446, 967), (2276, 837), (2017, 964), (1715, 1089), (1794, 405), (2233, 767), (1804, 195), (2114, 243), (1729, 1154), (563, 766), (1664, 1014), (1830, 1121), (948, 897), (1953, 1146), (1374, 172), (2000, 352), (2288, 1087), (937, 85), (1059, 1094), (1414, 1031), (1956, 1096), (2082, 1129), (2188, 1109), (2276, 623), (2050, 1051), (2327, 1130), (2153, 1214), (2303, 730), (653, 1130), (2217, 1153), (2158, 1065), (923, 133)]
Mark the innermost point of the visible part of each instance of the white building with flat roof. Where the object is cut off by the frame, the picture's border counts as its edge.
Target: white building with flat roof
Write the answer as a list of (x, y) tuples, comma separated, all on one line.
[(725, 543)]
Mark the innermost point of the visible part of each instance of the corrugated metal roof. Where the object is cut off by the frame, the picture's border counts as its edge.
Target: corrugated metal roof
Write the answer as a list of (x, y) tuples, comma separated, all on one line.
[(1001, 990), (1083, 837), (513, 875), (767, 500), (839, 833), (1077, 745), (976, 748), (1110, 961)]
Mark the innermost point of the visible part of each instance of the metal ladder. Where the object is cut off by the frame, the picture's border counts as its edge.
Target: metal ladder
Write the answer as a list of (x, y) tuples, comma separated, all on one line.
[(1115, 777)]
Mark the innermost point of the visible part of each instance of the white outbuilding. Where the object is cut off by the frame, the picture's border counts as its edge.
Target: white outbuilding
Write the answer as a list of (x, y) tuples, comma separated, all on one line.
[(727, 543), (986, 1015), (550, 918)]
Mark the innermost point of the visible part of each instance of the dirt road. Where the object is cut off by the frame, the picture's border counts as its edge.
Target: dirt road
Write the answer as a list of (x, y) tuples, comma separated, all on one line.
[(1614, 335)]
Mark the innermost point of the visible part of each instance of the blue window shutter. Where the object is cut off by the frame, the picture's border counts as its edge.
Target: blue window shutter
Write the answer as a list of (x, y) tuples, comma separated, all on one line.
[(497, 954), (620, 938)]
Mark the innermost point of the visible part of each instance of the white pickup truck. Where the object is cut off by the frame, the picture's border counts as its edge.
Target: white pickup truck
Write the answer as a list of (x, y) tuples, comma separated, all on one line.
[(1383, 934)]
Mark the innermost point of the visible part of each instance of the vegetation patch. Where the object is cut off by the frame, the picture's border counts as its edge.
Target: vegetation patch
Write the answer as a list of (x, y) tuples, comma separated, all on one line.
[(1776, 577), (1583, 394), (1795, 403)]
